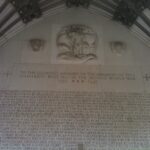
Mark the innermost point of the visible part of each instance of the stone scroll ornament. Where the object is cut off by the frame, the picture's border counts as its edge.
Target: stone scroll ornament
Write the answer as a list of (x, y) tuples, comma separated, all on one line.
[(77, 43)]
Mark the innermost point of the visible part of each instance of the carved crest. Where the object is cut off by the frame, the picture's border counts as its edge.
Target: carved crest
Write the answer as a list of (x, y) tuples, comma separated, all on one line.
[(37, 44), (77, 42), (118, 47)]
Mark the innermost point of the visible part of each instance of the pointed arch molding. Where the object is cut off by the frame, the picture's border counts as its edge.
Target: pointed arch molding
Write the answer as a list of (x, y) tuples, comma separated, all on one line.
[(15, 15)]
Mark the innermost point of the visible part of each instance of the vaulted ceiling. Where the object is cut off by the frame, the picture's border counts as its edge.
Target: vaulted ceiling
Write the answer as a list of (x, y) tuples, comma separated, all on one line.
[(15, 15)]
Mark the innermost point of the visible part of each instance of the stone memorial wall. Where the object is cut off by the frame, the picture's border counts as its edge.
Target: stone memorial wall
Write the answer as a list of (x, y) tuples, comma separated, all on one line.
[(70, 83)]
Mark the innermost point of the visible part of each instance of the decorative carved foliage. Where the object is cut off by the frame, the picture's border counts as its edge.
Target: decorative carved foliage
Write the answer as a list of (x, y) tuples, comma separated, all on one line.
[(128, 10), (77, 3), (28, 9)]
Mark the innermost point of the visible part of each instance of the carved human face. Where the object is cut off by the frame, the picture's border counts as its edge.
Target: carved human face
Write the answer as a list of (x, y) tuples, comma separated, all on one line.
[(77, 39), (37, 44)]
